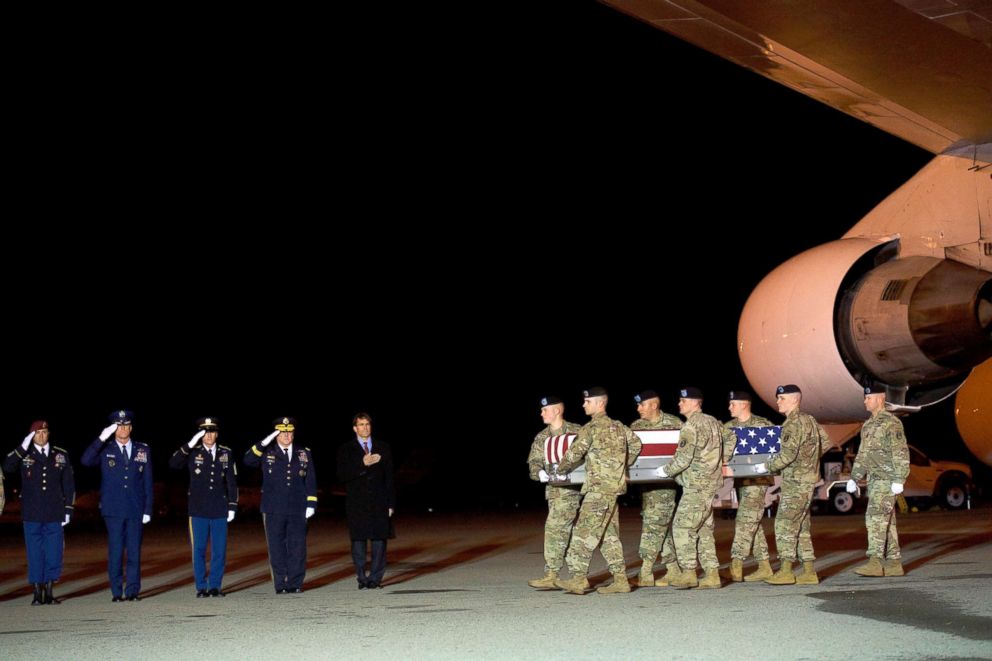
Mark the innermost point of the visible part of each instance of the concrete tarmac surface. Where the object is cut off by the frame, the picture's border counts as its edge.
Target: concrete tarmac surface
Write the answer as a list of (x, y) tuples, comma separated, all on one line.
[(456, 588)]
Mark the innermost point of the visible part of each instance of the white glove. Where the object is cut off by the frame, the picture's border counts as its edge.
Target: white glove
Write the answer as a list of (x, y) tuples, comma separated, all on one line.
[(661, 471), (896, 488), (310, 512), (268, 439), (196, 437), (145, 518), (543, 476), (230, 515), (760, 468), (107, 431), (852, 486), (66, 520), (27, 441)]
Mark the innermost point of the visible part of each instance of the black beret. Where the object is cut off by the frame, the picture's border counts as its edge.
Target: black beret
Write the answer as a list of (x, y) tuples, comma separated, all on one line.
[(739, 395), (645, 396), (549, 400), (691, 393), (874, 390), (595, 391), (787, 389)]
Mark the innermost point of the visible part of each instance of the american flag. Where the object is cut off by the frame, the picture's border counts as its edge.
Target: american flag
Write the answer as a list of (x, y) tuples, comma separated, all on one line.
[(757, 440), (654, 443)]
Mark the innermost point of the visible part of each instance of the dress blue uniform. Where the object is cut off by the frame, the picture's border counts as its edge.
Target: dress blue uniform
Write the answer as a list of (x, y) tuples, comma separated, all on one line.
[(125, 497), (213, 492), (289, 487), (48, 492)]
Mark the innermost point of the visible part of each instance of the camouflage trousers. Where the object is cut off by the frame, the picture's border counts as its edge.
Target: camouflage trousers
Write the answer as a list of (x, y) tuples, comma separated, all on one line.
[(748, 532), (792, 533), (880, 519), (598, 522), (657, 510), (693, 530), (558, 527)]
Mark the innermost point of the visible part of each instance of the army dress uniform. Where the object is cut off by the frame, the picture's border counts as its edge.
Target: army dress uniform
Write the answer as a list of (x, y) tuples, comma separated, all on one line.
[(48, 492), (125, 499), (657, 510), (213, 493), (563, 504), (884, 458), (697, 463), (748, 534), (289, 487), (608, 448)]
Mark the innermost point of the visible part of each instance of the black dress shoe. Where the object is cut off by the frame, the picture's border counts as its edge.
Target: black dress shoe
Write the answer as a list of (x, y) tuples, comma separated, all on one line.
[(39, 595), (282, 591), (49, 594), (202, 593), (118, 598), (214, 592), (295, 591), (133, 597), (373, 585), (362, 586)]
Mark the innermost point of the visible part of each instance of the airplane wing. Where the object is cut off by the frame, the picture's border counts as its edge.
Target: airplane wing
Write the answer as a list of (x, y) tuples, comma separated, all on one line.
[(918, 69)]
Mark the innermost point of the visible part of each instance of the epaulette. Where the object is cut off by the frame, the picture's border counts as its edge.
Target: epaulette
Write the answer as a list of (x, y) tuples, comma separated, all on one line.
[(63, 450)]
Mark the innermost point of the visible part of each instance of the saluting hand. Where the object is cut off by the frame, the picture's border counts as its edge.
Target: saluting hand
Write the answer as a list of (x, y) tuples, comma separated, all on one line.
[(27, 441), (108, 430), (196, 437), (268, 439)]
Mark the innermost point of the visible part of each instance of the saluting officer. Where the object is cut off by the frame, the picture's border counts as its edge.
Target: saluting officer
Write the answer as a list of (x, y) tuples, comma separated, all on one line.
[(47, 494), (213, 500), (125, 499), (289, 498)]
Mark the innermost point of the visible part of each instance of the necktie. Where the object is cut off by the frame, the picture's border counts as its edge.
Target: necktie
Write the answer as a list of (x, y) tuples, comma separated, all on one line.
[(286, 450), (124, 452), (365, 444)]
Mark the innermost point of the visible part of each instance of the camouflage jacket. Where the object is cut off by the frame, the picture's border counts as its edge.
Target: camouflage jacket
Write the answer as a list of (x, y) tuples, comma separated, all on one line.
[(884, 454), (730, 442), (698, 457), (803, 443), (666, 421), (536, 461), (608, 446)]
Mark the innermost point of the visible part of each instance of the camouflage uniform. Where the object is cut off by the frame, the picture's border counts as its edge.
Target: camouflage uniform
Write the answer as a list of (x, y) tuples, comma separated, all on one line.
[(803, 442), (748, 532), (697, 461), (884, 457), (609, 447), (657, 505), (563, 501)]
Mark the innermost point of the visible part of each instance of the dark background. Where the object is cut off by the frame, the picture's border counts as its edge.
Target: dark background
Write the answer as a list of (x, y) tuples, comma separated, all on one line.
[(435, 218)]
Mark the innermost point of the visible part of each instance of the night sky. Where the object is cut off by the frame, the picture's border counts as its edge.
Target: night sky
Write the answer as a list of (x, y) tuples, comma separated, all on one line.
[(437, 222)]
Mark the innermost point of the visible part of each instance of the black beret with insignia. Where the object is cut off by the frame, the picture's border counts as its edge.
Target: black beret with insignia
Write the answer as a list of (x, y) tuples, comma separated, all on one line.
[(788, 389), (739, 395), (549, 400), (595, 391), (691, 393), (645, 396), (874, 390)]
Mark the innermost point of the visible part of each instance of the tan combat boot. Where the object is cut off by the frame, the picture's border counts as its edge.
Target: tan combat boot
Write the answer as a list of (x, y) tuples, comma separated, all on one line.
[(618, 585), (711, 580), (893, 567), (673, 572), (575, 585), (685, 580), (736, 570), (763, 571), (783, 576), (546, 583), (808, 577), (871, 568), (645, 579)]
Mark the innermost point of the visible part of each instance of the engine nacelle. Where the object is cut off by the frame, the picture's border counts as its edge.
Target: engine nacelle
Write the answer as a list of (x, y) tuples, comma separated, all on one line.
[(973, 412)]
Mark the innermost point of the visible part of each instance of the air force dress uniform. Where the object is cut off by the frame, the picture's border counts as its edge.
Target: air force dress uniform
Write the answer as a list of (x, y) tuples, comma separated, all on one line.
[(289, 493), (47, 495), (213, 500), (125, 502)]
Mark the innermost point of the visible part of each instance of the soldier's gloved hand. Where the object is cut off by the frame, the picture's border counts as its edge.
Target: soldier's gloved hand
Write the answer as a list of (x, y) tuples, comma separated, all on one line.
[(196, 437), (268, 439), (310, 512), (760, 468), (108, 430), (896, 488), (66, 520), (543, 476), (852, 486), (230, 515), (145, 518), (27, 441), (661, 471)]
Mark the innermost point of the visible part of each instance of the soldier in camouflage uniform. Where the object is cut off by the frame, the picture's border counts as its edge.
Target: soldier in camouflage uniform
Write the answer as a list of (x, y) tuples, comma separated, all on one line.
[(563, 501), (608, 447), (803, 442), (697, 461), (884, 457), (748, 532), (657, 501)]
